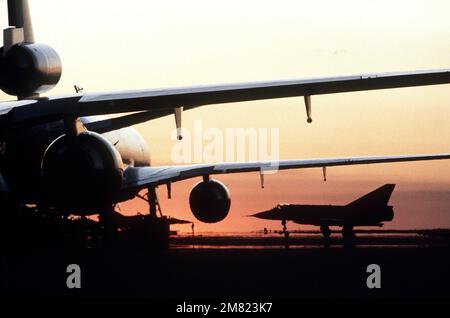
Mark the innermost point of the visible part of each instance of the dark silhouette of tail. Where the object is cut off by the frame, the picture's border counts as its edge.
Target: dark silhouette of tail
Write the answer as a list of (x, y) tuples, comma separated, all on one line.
[(377, 198), (19, 16)]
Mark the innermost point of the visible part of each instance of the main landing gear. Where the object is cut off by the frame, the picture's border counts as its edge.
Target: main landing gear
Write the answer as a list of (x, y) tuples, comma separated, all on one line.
[(347, 232), (348, 235), (139, 231), (155, 226), (326, 232)]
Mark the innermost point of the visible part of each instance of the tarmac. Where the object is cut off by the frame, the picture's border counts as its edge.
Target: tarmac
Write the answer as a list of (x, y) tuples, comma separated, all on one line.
[(412, 263)]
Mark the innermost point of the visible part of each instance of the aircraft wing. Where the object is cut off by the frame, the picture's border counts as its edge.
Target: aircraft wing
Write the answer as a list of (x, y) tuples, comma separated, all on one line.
[(163, 101), (136, 178)]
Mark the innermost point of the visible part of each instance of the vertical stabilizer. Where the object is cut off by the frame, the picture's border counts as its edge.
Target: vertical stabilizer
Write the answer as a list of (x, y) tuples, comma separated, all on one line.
[(19, 17), (377, 198)]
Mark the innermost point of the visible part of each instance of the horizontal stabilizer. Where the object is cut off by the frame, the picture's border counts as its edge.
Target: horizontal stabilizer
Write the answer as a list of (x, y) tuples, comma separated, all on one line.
[(376, 198)]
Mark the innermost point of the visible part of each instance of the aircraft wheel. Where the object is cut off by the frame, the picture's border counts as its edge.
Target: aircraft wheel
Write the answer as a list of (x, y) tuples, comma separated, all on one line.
[(325, 231), (347, 231)]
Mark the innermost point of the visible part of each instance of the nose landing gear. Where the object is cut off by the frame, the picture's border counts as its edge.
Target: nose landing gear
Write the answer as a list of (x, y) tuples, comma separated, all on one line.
[(285, 233), (326, 232)]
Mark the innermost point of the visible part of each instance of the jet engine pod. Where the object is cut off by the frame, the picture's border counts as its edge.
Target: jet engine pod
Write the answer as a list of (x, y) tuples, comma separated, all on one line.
[(28, 69), (82, 173), (210, 201)]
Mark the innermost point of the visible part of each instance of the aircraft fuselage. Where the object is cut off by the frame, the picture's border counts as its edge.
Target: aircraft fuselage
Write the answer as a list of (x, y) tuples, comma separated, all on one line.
[(329, 215)]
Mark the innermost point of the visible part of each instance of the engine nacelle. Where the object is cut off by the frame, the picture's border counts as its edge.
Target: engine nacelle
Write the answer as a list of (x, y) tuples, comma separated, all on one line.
[(82, 173), (210, 201), (28, 69)]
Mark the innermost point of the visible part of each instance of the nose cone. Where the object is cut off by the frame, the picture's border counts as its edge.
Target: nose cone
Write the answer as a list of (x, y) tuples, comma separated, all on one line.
[(266, 215)]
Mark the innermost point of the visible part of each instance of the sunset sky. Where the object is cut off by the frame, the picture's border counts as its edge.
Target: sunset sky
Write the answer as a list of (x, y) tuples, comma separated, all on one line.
[(121, 45)]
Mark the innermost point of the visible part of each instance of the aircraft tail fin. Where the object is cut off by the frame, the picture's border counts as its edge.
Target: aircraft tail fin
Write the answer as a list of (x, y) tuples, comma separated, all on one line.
[(19, 17), (377, 198)]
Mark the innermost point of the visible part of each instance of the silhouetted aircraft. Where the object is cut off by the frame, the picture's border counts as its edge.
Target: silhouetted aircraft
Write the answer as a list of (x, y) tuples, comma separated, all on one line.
[(58, 156), (369, 210)]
